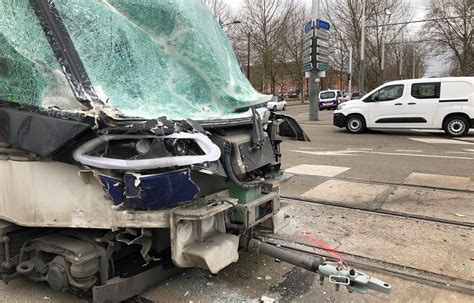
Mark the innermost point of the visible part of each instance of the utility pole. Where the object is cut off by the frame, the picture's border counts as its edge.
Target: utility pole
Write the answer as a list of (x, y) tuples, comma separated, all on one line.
[(248, 56), (382, 65), (362, 50), (400, 68), (414, 63), (313, 77), (350, 71)]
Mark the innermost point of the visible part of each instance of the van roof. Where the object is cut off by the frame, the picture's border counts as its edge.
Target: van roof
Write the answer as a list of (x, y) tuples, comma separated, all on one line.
[(330, 90), (423, 80)]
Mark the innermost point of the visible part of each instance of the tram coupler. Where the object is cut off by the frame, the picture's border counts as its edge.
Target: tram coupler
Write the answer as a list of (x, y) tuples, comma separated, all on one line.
[(336, 272)]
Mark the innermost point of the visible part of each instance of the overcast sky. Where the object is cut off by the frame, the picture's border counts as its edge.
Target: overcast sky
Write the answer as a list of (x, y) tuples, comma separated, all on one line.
[(435, 66)]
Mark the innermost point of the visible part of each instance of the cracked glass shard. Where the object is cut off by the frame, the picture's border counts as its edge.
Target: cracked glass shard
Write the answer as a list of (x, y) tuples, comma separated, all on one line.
[(158, 58), (29, 71)]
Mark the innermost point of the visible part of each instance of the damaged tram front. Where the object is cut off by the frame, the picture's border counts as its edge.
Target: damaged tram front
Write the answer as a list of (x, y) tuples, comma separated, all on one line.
[(129, 141)]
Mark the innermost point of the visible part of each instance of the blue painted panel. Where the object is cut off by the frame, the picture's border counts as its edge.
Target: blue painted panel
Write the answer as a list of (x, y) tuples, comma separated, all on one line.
[(153, 192), (308, 26), (323, 24), (114, 188)]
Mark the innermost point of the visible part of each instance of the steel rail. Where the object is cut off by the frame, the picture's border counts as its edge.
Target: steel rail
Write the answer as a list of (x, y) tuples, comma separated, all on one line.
[(379, 211), (464, 191)]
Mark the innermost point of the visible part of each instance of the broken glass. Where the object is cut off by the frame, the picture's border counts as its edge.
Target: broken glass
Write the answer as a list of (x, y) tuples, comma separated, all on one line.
[(29, 72), (155, 58)]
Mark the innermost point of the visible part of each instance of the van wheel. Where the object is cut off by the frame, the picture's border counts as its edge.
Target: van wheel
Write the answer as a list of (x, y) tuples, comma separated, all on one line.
[(355, 124), (275, 108), (456, 126)]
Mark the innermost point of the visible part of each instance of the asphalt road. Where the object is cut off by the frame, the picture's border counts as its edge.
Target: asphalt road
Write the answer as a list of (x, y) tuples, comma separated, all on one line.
[(382, 155), (414, 172)]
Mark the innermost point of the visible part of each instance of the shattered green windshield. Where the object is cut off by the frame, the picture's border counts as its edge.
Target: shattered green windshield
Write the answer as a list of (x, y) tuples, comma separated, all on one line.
[(29, 72), (147, 58)]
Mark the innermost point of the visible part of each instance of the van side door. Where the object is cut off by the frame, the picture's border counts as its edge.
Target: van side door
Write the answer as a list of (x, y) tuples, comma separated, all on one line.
[(457, 96), (386, 107), (422, 104)]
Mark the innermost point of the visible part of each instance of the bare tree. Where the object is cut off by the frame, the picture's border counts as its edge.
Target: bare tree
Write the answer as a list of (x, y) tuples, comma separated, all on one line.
[(266, 21), (219, 9), (346, 18), (453, 36), (293, 41)]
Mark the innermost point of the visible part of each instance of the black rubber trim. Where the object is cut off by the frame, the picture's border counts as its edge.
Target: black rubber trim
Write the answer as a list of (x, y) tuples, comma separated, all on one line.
[(402, 120), (63, 47), (453, 100), (339, 120)]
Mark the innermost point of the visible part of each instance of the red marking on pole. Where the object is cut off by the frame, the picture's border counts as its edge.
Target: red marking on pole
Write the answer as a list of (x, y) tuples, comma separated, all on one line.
[(321, 244)]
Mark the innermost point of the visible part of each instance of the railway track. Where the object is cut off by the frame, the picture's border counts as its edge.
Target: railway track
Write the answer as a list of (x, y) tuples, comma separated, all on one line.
[(285, 198), (466, 191), (365, 263)]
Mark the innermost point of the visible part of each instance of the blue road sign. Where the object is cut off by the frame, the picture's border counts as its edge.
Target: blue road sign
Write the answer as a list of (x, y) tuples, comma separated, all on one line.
[(323, 24), (309, 26)]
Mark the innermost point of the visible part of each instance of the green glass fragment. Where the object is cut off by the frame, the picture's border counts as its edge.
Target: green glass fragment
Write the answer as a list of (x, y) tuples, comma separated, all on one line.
[(29, 72)]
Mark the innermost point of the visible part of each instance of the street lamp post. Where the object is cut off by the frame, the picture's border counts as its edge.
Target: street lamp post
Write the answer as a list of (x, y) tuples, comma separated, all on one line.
[(414, 63), (382, 65), (362, 50), (248, 55), (350, 71), (400, 68)]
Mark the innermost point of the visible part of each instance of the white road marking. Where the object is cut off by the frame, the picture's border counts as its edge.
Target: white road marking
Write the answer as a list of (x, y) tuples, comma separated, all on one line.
[(343, 191), (365, 149), (440, 141), (351, 153), (355, 152), (460, 152), (441, 181), (317, 170), (420, 155), (318, 148), (470, 150), (409, 151)]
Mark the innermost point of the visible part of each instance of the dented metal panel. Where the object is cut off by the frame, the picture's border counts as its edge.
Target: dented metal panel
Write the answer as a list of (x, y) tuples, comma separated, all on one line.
[(153, 192), (57, 196)]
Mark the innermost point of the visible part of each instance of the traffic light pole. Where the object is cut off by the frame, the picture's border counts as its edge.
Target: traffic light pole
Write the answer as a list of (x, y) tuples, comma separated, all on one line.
[(314, 81)]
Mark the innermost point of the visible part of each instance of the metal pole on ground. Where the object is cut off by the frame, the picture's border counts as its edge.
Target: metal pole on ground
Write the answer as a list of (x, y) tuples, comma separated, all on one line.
[(313, 78)]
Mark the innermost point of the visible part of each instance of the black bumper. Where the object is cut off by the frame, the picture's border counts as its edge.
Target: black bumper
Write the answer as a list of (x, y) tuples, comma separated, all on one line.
[(339, 120)]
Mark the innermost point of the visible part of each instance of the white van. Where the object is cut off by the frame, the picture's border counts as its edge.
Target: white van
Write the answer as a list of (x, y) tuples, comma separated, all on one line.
[(330, 99), (435, 103)]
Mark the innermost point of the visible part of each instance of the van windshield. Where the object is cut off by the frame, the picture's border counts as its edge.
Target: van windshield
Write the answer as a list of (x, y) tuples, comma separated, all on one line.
[(327, 95), (145, 58)]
